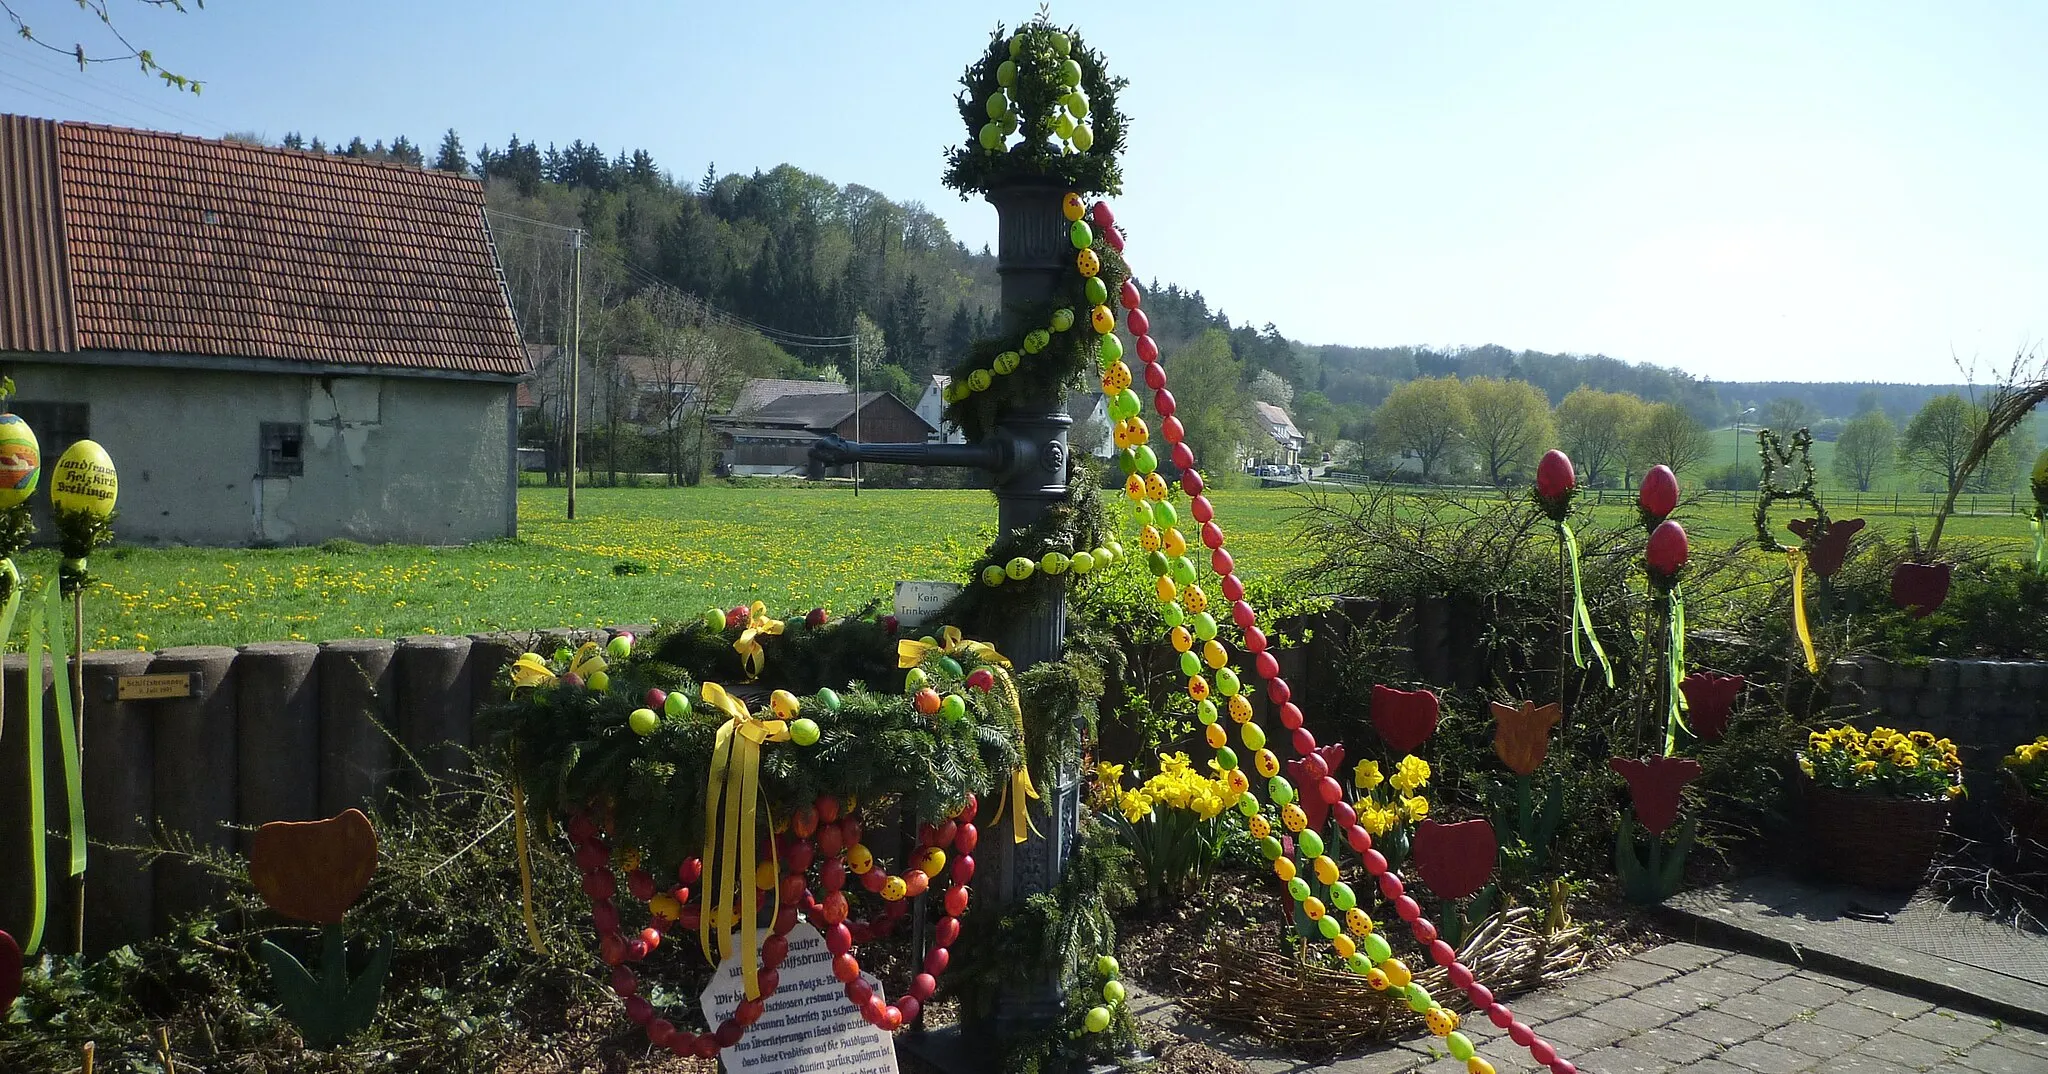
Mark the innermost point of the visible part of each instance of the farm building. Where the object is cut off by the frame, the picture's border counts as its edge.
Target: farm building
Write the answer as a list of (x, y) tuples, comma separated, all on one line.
[(322, 345), (773, 436)]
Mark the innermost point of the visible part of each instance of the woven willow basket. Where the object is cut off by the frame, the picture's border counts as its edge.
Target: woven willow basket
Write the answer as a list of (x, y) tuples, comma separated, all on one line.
[(2029, 816), (1870, 840)]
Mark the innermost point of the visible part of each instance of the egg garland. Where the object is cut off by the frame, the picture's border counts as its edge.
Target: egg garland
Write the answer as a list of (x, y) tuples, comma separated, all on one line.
[(1080, 563), (1028, 48), (1185, 608)]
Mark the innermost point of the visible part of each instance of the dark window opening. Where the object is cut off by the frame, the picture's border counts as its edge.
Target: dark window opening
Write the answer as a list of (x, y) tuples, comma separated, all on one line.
[(57, 425), (283, 449)]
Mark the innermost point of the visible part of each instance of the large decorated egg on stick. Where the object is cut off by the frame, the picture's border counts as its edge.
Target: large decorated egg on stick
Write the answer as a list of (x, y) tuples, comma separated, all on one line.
[(21, 461), (84, 480)]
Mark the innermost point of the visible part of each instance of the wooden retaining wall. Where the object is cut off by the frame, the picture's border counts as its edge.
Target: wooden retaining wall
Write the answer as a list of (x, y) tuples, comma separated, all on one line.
[(272, 731)]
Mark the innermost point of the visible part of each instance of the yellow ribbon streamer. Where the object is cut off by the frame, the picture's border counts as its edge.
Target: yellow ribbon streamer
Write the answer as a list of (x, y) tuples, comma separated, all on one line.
[(1797, 557), (1020, 791), (731, 839), (752, 656), (531, 670), (525, 868)]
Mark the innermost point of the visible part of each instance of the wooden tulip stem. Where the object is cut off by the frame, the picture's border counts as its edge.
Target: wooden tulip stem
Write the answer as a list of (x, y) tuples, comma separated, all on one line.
[(1564, 638), (78, 699)]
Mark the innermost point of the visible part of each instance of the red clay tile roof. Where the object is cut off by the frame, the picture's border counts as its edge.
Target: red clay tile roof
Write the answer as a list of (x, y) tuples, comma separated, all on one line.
[(35, 282), (179, 245)]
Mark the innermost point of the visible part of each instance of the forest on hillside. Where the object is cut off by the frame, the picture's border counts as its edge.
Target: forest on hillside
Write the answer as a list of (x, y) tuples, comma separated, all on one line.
[(699, 285)]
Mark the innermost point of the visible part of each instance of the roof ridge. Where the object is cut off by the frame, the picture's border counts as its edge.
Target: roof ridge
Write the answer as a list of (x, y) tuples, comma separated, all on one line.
[(233, 143)]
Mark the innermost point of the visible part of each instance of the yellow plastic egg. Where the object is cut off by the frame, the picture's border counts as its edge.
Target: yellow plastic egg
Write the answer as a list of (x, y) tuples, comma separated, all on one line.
[(764, 876), (1326, 870), (1292, 816), (1088, 263), (1441, 1021), (1313, 907), (1195, 600), (1166, 589), (1155, 486), (1174, 544), (894, 889), (1283, 868), (1071, 206), (784, 704), (1344, 945), (1215, 736), (1266, 763), (931, 861), (1259, 826), (1181, 639), (1148, 538), (21, 461), (1240, 708), (1358, 921), (1198, 688), (1134, 487), (1238, 783), (1397, 972), (1476, 1065), (665, 906), (1120, 435), (1213, 654), (859, 858), (1117, 378), (1140, 432), (1377, 980), (84, 480)]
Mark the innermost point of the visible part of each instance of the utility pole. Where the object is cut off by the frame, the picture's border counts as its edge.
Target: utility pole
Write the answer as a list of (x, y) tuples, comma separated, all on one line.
[(859, 360), (575, 360)]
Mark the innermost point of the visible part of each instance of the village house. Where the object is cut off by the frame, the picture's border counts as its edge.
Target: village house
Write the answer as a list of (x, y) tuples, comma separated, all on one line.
[(274, 346), (771, 428), (1287, 441)]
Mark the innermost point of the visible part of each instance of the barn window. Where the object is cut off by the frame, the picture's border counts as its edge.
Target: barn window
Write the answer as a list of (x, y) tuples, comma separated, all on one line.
[(57, 425), (283, 449)]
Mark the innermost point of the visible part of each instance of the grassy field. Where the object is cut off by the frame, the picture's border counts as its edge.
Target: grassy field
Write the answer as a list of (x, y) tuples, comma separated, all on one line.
[(640, 555)]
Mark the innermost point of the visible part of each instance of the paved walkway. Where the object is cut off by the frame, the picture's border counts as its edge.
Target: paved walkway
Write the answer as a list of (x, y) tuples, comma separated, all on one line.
[(1695, 1010)]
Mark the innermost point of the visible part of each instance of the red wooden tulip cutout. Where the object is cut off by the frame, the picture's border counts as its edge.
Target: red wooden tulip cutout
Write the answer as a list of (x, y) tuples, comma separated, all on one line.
[(1825, 556), (1404, 718), (1455, 859), (1658, 496), (1920, 587), (10, 971), (1709, 697)]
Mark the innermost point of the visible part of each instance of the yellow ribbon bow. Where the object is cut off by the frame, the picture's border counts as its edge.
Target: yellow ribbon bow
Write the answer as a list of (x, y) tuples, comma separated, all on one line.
[(531, 670), (1019, 790), (752, 656), (911, 652), (731, 837), (588, 661)]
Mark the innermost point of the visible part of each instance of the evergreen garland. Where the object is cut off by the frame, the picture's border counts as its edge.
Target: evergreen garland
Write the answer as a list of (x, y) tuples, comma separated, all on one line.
[(1769, 491), (573, 748), (974, 169), (78, 533)]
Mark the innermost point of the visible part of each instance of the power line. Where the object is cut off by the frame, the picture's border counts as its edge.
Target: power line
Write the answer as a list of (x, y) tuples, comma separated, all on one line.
[(530, 220), (732, 320), (77, 79)]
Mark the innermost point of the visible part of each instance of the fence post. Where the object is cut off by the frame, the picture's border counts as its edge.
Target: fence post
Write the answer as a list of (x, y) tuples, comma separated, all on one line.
[(278, 695), (433, 705), (195, 753), (15, 889), (356, 688), (119, 776)]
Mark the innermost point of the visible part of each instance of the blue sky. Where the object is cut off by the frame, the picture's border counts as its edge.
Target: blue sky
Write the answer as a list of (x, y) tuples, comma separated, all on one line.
[(1824, 191)]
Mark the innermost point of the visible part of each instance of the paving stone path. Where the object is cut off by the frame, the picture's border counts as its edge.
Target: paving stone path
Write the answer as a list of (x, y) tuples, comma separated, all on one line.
[(1686, 1009)]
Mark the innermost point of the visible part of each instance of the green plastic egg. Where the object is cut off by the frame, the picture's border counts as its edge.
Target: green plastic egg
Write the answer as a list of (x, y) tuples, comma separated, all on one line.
[(1190, 664), (804, 731), (1254, 738), (1108, 554), (1053, 563), (1310, 843), (1019, 568), (1006, 74), (1247, 805), (1113, 991), (953, 708), (1112, 349), (1205, 711), (1076, 103), (1096, 1020), (1182, 569), (1084, 138), (1037, 340), (1171, 613), (1016, 45), (1127, 460), (991, 136), (1329, 927), (1297, 889), (1079, 232), (1070, 73), (992, 575), (1148, 460), (1061, 43), (1163, 514), (1094, 290), (676, 704), (643, 721), (1204, 625), (1062, 319), (1107, 966), (1227, 682), (915, 680), (1377, 948), (1156, 564), (979, 380), (1358, 964), (998, 105), (829, 699), (1064, 127), (948, 665), (1226, 758), (1342, 897), (1279, 790), (1270, 848), (1082, 561), (1418, 998)]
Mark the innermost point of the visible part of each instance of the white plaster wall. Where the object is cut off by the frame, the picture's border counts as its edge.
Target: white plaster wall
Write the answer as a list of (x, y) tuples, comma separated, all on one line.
[(387, 459)]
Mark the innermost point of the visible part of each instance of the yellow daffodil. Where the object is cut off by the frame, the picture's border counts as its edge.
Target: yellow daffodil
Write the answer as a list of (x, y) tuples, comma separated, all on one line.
[(1367, 775)]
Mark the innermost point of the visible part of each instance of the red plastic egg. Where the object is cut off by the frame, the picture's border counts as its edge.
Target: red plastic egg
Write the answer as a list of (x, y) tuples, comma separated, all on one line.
[(1668, 549), (1554, 476), (1658, 495)]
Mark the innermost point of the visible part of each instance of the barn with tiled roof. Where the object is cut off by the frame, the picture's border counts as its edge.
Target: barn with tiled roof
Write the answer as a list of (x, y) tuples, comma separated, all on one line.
[(274, 346)]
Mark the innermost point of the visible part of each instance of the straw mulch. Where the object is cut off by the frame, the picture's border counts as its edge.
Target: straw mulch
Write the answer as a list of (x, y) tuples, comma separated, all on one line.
[(1313, 1009)]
